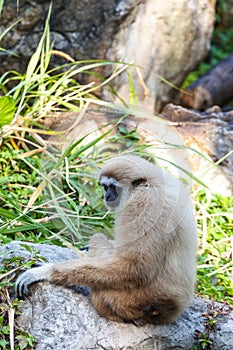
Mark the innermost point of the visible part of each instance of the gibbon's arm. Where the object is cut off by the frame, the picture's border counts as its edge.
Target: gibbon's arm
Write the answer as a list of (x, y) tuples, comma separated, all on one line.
[(103, 273)]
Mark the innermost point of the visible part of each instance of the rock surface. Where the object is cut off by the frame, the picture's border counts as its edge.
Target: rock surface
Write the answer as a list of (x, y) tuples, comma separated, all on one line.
[(166, 39), (62, 319), (209, 136)]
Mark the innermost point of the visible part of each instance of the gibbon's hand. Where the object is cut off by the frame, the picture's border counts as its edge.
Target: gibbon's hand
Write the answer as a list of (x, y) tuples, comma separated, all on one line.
[(31, 276)]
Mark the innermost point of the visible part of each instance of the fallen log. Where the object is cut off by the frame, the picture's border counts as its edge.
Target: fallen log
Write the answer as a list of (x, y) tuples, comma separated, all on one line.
[(61, 319), (213, 88)]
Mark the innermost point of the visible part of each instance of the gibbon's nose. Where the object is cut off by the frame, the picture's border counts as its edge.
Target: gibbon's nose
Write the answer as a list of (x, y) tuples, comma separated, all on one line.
[(111, 194), (109, 197)]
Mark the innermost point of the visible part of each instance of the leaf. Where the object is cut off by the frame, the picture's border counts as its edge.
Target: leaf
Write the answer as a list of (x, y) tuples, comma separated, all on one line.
[(7, 110), (35, 59), (1, 6)]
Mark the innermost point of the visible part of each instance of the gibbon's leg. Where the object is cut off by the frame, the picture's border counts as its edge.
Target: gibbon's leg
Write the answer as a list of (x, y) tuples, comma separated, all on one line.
[(104, 308), (100, 246), (95, 272), (129, 306), (117, 305)]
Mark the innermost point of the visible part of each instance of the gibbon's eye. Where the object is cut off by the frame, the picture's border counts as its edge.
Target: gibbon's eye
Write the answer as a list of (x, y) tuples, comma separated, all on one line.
[(138, 182), (112, 186), (105, 187)]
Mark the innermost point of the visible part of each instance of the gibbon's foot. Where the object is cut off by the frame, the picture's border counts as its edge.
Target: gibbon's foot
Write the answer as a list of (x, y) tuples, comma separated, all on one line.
[(84, 290), (85, 248), (30, 276), (139, 322), (150, 311)]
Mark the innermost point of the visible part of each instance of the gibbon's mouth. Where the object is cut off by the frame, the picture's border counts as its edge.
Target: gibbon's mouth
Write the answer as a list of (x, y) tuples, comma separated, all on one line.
[(118, 203), (113, 205)]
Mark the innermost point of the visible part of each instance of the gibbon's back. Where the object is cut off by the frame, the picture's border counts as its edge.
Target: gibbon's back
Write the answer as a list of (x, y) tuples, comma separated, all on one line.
[(157, 218)]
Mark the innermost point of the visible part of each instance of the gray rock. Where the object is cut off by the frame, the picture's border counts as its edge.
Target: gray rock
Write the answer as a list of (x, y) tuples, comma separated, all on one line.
[(62, 319), (50, 252), (211, 134)]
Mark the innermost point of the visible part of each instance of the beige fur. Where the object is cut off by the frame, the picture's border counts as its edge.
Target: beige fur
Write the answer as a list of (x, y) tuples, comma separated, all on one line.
[(147, 274)]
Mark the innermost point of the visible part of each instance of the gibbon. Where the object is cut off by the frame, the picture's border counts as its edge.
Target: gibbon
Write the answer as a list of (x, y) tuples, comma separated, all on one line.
[(147, 273)]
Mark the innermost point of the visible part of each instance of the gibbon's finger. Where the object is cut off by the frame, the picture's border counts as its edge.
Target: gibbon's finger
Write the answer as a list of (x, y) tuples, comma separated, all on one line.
[(21, 286), (31, 276)]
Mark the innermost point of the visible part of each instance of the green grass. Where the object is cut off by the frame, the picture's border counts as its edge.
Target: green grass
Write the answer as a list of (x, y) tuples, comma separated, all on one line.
[(215, 212), (215, 262)]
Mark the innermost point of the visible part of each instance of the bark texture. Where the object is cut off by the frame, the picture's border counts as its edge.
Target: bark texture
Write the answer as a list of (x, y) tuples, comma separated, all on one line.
[(62, 319)]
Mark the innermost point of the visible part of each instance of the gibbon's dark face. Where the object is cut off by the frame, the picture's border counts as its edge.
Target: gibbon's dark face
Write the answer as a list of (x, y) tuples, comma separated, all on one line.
[(112, 191)]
